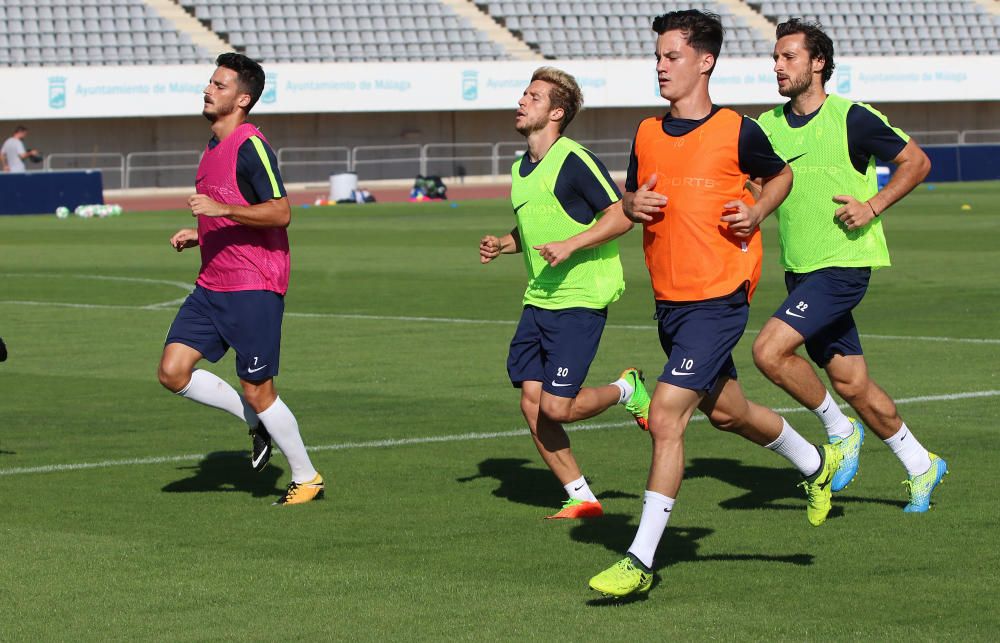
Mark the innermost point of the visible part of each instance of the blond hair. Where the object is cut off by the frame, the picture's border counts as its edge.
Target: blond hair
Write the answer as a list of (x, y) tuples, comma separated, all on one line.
[(565, 92)]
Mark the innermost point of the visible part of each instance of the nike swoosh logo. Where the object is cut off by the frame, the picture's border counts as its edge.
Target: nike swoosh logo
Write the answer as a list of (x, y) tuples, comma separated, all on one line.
[(795, 158), (577, 488), (788, 312), (674, 371), (260, 457), (520, 206), (254, 370), (560, 385)]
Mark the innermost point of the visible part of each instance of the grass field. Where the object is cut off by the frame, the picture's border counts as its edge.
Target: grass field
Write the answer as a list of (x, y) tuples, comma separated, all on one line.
[(129, 513)]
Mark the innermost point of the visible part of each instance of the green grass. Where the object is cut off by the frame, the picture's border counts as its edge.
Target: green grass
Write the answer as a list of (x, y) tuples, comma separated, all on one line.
[(444, 540)]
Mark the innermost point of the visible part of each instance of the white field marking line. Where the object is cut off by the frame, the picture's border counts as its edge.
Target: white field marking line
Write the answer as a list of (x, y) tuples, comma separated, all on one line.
[(440, 320), (140, 280), (458, 320), (460, 437)]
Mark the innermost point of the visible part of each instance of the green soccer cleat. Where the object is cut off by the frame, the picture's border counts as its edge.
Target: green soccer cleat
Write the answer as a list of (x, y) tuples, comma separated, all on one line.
[(922, 485), (850, 450), (622, 579), (638, 403), (818, 486)]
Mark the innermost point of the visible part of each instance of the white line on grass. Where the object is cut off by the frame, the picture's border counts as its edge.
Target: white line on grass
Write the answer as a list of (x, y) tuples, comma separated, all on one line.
[(433, 320), (459, 320), (433, 439)]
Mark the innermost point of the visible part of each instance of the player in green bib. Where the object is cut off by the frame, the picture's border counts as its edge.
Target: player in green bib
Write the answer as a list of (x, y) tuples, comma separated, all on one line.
[(558, 189), (831, 238)]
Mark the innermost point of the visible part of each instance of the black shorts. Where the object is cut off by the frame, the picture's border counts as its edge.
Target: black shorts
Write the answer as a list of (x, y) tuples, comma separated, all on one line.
[(555, 347), (819, 306), (248, 320), (699, 339)]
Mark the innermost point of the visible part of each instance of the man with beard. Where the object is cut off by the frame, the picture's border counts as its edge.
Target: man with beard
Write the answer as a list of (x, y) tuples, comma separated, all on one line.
[(831, 238), (558, 189), (243, 212)]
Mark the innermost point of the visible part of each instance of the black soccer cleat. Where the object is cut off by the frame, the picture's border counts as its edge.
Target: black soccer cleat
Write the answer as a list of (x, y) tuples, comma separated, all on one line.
[(261, 447), (3, 350)]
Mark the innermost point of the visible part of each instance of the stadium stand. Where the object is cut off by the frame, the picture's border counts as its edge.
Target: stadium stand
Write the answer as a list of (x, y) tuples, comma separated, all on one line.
[(90, 32), (588, 29), (120, 32), (339, 31), (907, 27)]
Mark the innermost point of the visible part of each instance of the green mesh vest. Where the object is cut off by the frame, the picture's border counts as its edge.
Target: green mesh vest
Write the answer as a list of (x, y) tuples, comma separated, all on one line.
[(810, 235), (591, 278)]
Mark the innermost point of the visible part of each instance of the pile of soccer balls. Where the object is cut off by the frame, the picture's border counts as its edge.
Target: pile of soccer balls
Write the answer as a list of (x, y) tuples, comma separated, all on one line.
[(90, 211)]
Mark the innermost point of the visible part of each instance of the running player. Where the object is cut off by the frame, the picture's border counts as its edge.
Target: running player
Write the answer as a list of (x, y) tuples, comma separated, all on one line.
[(558, 189), (686, 184), (238, 300), (831, 238)]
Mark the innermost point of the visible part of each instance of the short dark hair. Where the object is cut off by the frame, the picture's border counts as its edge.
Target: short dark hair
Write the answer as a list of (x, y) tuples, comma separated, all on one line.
[(817, 42), (20, 128), (702, 29), (249, 72)]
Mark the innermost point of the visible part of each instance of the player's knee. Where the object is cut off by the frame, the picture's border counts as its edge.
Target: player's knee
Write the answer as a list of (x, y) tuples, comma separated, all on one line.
[(851, 390), (172, 378), (765, 357), (665, 427), (259, 398), (557, 409), (726, 421)]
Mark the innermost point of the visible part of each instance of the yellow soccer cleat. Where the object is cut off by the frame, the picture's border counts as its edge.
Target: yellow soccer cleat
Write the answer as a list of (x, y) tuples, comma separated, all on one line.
[(622, 579), (819, 485), (301, 492)]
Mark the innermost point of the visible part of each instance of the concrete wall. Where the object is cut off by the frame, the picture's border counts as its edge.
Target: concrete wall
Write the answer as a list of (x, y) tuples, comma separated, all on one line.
[(88, 136)]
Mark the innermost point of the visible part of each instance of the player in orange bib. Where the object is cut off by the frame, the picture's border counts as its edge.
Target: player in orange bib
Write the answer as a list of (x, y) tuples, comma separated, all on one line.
[(686, 185)]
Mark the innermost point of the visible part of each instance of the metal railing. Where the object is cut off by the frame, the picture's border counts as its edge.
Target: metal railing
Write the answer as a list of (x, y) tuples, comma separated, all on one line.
[(311, 164), (374, 162), (158, 175), (368, 162), (103, 162)]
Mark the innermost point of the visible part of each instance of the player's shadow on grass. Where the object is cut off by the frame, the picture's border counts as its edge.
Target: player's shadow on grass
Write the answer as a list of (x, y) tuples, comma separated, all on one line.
[(228, 471), (680, 544), (528, 485), (765, 486)]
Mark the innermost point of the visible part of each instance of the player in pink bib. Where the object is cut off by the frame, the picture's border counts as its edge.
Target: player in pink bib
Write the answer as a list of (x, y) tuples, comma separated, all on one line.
[(238, 301)]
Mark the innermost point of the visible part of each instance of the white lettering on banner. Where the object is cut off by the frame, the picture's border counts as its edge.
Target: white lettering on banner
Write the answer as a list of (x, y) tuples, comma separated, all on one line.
[(175, 90)]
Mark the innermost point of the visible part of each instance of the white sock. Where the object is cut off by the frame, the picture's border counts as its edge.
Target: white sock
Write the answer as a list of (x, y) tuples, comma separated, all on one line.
[(626, 390), (656, 509), (910, 452), (837, 424), (284, 430), (796, 449), (580, 490), (209, 389)]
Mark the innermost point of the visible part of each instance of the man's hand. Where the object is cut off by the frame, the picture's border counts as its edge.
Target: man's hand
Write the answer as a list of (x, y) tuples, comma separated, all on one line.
[(644, 202), (743, 221), (184, 238), (556, 252), (201, 204), (489, 248), (854, 214)]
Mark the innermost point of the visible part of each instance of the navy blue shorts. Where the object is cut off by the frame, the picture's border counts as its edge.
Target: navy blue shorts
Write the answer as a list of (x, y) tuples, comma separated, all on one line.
[(555, 347), (819, 306), (248, 320), (699, 340)]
